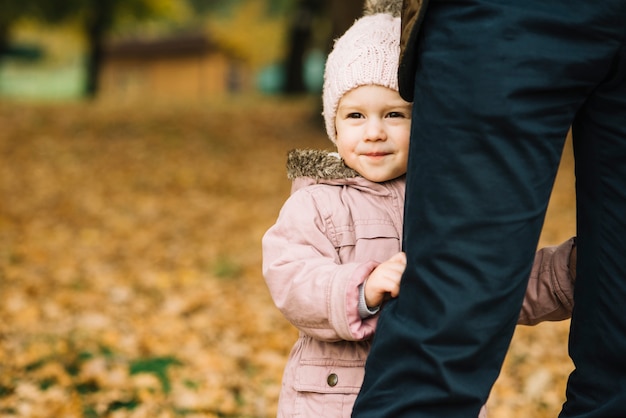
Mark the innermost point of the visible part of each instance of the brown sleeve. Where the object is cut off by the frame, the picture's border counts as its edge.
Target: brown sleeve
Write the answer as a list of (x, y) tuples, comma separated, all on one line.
[(550, 292)]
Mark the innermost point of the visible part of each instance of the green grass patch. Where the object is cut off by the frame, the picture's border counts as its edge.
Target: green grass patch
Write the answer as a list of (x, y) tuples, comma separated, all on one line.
[(157, 366)]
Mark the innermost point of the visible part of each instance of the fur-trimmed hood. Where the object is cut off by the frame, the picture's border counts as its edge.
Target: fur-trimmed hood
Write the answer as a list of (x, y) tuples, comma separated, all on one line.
[(306, 167), (318, 165), (392, 7)]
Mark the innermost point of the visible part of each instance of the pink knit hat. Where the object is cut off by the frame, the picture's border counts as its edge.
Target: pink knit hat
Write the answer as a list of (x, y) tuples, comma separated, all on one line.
[(367, 53)]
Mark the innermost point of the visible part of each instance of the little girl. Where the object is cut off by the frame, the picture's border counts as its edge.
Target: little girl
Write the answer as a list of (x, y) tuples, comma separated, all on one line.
[(334, 254)]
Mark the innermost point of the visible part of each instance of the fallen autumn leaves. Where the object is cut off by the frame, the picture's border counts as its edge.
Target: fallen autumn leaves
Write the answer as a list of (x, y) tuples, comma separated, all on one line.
[(130, 281)]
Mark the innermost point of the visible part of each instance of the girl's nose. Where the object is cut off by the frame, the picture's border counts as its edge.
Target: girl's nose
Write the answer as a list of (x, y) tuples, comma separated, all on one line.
[(375, 130)]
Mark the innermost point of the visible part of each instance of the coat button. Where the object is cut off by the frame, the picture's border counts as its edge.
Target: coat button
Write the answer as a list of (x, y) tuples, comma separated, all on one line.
[(332, 380)]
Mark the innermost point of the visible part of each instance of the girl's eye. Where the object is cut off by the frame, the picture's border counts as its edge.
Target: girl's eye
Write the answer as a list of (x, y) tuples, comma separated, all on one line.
[(355, 115), (395, 115)]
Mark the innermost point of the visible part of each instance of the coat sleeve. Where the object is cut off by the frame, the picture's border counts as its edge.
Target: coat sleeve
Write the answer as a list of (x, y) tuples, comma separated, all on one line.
[(306, 280), (550, 292)]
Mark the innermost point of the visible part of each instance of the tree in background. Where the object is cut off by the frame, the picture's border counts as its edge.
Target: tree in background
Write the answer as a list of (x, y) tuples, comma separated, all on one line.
[(340, 14), (302, 25), (95, 19), (299, 37), (281, 31), (10, 12), (99, 17)]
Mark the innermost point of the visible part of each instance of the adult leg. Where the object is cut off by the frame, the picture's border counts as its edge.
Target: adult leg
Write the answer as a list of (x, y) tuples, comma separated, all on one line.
[(497, 87), (597, 387)]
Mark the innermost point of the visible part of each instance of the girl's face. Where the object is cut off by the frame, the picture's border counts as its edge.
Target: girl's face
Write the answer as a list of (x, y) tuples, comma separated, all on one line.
[(373, 126)]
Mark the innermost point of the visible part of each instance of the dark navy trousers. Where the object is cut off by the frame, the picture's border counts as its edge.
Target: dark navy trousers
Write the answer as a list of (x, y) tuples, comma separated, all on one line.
[(498, 85)]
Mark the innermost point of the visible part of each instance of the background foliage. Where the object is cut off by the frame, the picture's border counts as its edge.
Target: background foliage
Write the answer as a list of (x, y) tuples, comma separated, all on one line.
[(262, 33)]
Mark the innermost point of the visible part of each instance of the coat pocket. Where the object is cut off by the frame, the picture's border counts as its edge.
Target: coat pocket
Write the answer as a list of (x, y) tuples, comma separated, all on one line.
[(371, 230), (376, 240), (345, 377)]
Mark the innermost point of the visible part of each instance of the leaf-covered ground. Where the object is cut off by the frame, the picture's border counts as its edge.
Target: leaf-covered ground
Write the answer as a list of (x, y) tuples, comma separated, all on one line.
[(130, 281)]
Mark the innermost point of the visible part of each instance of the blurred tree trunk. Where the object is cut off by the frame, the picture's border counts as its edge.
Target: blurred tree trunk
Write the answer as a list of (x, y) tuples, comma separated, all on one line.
[(10, 12), (4, 39), (342, 13), (299, 37), (98, 22)]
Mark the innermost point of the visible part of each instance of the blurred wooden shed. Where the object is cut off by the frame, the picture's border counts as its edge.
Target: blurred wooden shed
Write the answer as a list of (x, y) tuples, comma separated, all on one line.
[(183, 67)]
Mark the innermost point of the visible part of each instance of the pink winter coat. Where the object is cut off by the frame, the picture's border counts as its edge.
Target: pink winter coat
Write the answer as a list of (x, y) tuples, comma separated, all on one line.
[(334, 229)]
